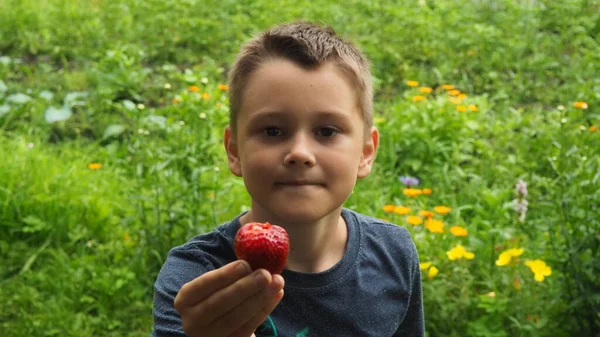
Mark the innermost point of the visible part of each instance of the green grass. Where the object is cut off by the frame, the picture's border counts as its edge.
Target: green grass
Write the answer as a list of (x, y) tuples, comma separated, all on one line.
[(81, 248)]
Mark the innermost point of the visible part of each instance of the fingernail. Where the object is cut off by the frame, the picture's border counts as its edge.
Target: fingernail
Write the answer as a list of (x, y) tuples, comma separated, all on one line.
[(242, 268), (260, 279)]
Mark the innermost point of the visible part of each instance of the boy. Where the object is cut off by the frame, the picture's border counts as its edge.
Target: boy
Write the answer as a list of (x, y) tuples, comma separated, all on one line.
[(300, 135)]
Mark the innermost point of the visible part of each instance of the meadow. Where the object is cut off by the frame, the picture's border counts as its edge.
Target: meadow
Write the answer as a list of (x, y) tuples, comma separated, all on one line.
[(111, 122)]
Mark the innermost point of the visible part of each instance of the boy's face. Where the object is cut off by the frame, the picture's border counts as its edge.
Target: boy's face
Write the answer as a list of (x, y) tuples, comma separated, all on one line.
[(300, 143)]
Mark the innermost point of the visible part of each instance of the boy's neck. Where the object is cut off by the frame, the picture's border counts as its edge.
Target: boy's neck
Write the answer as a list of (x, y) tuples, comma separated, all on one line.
[(314, 247)]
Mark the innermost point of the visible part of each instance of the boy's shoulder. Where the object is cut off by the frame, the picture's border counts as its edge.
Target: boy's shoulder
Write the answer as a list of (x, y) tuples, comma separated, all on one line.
[(380, 227)]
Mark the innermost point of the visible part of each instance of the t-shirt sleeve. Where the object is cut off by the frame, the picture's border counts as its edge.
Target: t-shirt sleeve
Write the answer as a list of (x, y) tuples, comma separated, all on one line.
[(180, 267), (413, 323)]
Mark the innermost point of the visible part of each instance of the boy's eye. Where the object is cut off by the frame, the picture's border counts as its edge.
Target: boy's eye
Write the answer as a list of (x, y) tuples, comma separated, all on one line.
[(272, 131), (326, 132)]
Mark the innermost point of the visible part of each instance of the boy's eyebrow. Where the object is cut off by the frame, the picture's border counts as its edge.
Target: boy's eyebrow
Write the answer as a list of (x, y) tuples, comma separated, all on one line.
[(279, 114)]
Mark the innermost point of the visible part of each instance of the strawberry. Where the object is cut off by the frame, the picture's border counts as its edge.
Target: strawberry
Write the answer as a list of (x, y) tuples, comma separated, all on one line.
[(263, 245)]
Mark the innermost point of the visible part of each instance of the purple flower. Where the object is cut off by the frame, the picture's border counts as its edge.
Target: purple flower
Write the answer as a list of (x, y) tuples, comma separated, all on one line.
[(520, 206), (521, 188), (409, 181)]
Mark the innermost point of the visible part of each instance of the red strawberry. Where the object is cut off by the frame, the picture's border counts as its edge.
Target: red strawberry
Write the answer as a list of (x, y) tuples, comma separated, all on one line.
[(263, 246)]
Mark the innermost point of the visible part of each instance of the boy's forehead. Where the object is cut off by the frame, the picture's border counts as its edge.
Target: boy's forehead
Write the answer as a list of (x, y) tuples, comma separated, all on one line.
[(283, 85)]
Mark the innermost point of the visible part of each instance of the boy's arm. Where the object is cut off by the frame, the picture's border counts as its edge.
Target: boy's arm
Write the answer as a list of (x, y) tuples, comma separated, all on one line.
[(177, 270), (414, 321)]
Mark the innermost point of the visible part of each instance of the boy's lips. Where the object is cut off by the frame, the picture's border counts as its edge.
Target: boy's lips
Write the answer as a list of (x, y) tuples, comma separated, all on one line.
[(298, 183)]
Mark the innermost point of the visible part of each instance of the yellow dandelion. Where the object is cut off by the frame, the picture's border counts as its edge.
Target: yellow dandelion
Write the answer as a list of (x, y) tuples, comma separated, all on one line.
[(593, 128), (473, 108), (442, 209), (414, 220), (223, 87), (506, 256), (412, 192), (454, 100), (459, 252), (427, 191), (454, 92), (205, 95), (94, 166), (462, 96), (388, 208), (432, 272), (412, 83), (426, 214), (425, 265), (419, 98), (580, 105), (458, 231), (402, 210), (447, 87), (461, 108), (434, 226), (539, 269), (194, 88), (425, 90)]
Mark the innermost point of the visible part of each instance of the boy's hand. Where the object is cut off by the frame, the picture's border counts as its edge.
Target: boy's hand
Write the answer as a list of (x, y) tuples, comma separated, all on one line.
[(230, 301)]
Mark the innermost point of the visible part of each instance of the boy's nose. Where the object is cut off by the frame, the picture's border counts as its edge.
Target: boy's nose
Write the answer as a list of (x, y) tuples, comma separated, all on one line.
[(300, 153)]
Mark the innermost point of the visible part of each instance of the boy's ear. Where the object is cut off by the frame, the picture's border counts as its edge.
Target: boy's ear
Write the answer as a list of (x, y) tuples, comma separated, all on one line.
[(231, 148), (368, 153)]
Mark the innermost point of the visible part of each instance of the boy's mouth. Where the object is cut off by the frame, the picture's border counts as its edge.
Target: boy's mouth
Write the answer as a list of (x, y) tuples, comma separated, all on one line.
[(298, 183)]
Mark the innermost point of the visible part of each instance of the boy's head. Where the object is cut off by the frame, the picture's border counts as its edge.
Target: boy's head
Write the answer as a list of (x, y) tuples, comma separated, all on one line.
[(308, 46), (301, 131)]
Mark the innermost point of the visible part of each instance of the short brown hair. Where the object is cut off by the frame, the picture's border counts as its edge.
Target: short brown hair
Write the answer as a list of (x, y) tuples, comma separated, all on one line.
[(307, 45)]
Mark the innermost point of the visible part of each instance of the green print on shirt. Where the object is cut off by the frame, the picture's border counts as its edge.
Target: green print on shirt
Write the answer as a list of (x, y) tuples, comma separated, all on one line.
[(267, 329)]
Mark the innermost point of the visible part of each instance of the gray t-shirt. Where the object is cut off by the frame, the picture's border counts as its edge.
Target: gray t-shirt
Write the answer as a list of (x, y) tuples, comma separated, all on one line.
[(375, 290)]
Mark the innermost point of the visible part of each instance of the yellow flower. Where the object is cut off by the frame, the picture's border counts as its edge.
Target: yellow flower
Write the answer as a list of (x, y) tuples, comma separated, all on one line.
[(593, 128), (461, 108), (539, 269), (473, 108), (223, 87), (94, 166), (388, 208), (427, 191), (412, 192), (454, 92), (459, 252), (491, 294), (455, 100), (458, 231), (462, 96), (412, 83), (425, 90), (176, 100), (426, 214), (424, 265), (447, 87), (419, 98), (401, 210), (205, 95), (414, 220), (434, 226), (194, 88), (442, 209), (580, 105), (432, 272), (507, 255)]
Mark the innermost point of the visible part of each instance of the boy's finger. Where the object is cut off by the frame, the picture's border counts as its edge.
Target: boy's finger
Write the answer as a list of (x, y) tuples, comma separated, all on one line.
[(258, 318), (203, 286), (236, 295)]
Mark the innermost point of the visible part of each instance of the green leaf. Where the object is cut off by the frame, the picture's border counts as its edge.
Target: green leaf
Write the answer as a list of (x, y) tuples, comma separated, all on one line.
[(114, 130), (53, 114)]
